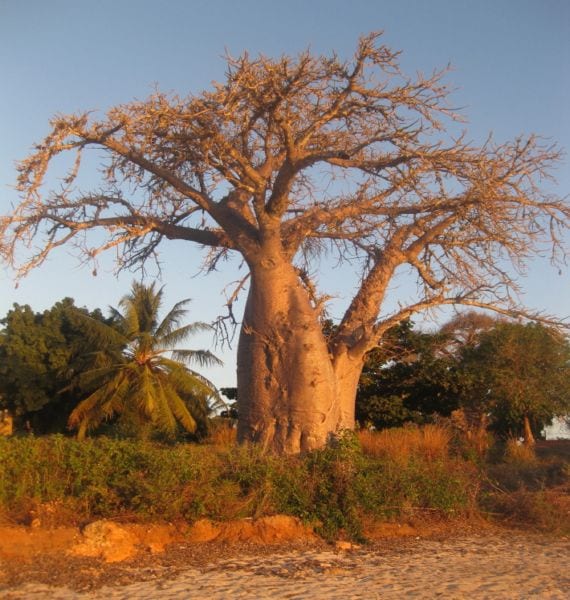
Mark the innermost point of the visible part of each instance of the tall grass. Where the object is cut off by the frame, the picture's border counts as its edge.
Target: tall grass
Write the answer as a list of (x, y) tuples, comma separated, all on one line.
[(431, 442), (519, 454)]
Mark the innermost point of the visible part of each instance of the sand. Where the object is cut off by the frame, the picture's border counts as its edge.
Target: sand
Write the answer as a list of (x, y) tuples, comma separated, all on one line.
[(507, 565)]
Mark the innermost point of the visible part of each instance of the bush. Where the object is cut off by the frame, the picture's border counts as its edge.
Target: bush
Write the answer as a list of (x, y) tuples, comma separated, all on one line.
[(332, 487), (382, 475), (100, 477), (547, 510)]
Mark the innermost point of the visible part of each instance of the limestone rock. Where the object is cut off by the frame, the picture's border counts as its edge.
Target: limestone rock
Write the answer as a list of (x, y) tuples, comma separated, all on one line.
[(107, 540), (203, 530)]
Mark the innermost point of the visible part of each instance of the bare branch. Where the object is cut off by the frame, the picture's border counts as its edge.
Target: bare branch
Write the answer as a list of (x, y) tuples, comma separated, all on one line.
[(293, 157)]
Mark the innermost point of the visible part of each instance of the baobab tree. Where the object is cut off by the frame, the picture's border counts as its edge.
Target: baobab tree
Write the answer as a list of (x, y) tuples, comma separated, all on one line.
[(285, 159)]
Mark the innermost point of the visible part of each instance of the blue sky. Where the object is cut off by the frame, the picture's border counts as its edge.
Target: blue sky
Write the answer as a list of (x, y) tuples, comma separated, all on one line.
[(510, 67)]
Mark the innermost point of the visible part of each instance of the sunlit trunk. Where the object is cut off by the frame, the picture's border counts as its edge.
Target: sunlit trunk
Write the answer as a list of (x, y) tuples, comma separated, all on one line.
[(289, 397), (527, 431), (347, 374)]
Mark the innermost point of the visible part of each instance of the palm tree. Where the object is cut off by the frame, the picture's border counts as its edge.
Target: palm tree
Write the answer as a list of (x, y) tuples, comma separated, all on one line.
[(139, 372)]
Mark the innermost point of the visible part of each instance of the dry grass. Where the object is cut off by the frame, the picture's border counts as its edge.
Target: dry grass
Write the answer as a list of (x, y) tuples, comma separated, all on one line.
[(223, 436), (429, 442), (553, 449), (547, 510), (517, 453), (472, 429)]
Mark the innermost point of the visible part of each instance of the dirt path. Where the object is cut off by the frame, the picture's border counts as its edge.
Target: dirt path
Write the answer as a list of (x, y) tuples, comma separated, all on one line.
[(485, 566)]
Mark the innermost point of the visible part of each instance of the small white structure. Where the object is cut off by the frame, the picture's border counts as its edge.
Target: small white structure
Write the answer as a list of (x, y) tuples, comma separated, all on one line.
[(559, 430)]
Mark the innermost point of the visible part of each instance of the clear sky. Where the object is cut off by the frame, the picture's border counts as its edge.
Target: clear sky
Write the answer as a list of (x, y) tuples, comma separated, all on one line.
[(511, 68)]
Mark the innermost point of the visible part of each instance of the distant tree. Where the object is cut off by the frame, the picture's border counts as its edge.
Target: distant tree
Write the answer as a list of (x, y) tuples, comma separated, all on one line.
[(140, 375), (283, 161), (520, 374), (40, 354), (465, 329)]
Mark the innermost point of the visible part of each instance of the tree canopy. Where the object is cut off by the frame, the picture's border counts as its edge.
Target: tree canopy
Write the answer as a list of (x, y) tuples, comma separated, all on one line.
[(520, 374), (140, 372), (515, 375), (284, 160), (40, 353), (412, 378)]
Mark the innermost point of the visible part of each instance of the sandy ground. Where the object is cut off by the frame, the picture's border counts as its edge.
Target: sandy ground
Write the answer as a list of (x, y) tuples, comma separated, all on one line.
[(489, 565)]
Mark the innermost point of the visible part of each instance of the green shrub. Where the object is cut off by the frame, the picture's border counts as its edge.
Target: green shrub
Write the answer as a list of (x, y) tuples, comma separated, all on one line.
[(333, 488), (547, 511)]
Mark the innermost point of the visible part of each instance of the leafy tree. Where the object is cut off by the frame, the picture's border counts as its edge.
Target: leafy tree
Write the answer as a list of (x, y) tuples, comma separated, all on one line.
[(134, 378), (410, 379), (286, 159), (40, 353), (520, 374)]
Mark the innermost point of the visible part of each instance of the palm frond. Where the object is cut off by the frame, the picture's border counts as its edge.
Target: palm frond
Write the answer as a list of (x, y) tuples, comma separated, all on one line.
[(216, 401), (178, 408), (204, 358), (87, 415), (175, 336), (131, 376), (143, 391), (173, 319), (101, 404), (193, 384), (163, 415), (186, 379), (141, 307), (92, 378), (118, 398), (117, 319)]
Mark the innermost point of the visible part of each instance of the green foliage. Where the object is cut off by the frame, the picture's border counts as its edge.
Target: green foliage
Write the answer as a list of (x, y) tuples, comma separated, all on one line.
[(133, 378), (410, 378), (506, 370), (383, 411), (40, 353), (332, 473), (515, 371), (332, 488), (335, 489)]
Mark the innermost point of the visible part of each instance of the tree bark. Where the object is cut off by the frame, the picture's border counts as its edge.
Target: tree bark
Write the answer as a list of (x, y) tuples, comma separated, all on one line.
[(291, 395), (527, 432), (347, 370)]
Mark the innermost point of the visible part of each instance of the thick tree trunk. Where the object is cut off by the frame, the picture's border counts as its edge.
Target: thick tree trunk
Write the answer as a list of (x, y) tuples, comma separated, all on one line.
[(527, 432), (347, 371), (291, 397)]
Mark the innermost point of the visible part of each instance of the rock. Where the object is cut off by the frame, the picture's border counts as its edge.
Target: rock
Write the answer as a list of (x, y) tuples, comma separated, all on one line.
[(107, 540), (154, 537), (340, 545), (281, 528), (203, 530), (113, 543), (266, 530)]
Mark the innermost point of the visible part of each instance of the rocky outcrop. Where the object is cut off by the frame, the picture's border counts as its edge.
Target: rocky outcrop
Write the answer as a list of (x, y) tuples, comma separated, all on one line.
[(106, 540), (266, 530), (113, 542)]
